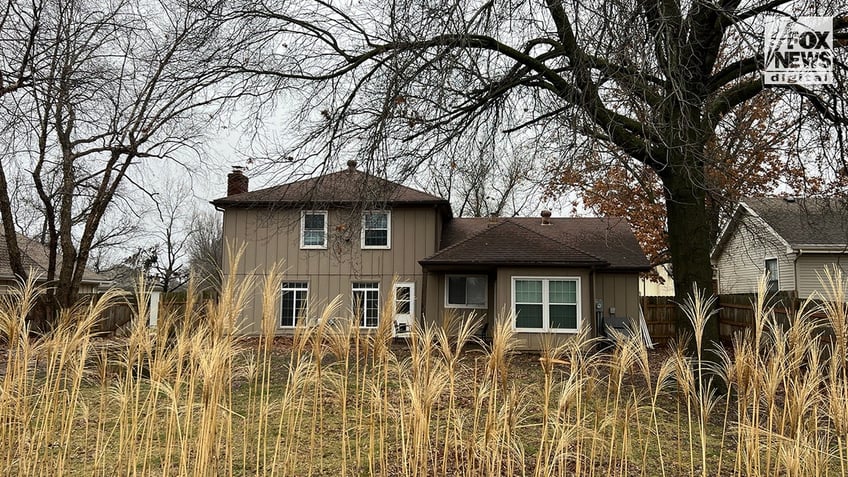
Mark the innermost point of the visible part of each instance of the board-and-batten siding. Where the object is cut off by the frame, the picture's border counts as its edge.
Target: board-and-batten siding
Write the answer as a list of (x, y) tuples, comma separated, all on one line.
[(273, 237), (742, 261), (619, 290)]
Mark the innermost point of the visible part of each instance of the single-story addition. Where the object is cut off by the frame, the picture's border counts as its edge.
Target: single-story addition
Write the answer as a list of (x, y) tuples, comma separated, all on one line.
[(793, 239), (364, 238)]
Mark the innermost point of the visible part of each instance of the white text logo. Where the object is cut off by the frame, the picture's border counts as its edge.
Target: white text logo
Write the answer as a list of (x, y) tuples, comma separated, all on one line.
[(798, 51)]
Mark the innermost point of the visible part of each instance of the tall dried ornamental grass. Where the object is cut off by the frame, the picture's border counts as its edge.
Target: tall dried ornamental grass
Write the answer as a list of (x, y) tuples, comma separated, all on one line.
[(191, 398)]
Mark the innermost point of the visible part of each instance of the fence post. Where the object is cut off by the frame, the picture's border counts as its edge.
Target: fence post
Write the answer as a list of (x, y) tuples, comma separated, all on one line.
[(153, 309)]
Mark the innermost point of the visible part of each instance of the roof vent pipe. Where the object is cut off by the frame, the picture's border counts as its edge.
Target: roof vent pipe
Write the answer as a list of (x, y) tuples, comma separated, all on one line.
[(546, 217), (351, 165)]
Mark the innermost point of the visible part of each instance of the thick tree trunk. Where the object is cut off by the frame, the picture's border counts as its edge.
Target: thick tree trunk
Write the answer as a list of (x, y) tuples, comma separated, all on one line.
[(689, 244), (9, 233)]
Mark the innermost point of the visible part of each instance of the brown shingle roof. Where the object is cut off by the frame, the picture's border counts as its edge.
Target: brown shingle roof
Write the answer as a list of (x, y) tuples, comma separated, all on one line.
[(577, 242), (804, 221), (36, 258), (343, 187)]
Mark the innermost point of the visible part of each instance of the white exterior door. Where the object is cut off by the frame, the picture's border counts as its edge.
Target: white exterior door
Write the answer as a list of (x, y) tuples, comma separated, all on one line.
[(404, 297)]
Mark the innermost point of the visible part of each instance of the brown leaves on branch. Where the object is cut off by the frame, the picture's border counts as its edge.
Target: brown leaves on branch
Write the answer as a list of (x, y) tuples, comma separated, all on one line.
[(750, 154)]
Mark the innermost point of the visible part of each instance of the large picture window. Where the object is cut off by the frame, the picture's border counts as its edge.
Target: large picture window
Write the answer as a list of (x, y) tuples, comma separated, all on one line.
[(466, 291), (376, 229), (546, 304), (366, 303), (293, 307), (313, 229)]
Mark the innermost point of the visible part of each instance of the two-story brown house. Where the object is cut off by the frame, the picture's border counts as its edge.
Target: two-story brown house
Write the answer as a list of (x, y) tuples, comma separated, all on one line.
[(370, 240)]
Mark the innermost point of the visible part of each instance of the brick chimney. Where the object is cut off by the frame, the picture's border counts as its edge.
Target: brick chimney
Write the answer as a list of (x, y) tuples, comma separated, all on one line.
[(546, 217), (236, 181)]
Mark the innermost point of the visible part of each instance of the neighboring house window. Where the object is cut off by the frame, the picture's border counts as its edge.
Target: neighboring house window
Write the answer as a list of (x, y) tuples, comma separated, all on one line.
[(465, 291), (293, 304), (376, 229), (773, 274), (546, 304), (366, 303), (313, 229)]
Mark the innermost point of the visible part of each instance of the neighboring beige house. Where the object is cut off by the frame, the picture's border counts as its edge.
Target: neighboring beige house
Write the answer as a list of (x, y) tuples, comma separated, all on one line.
[(353, 235), (649, 286), (35, 258), (794, 239)]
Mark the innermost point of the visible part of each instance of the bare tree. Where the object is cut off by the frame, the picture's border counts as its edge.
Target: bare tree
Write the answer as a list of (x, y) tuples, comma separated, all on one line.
[(489, 177), (206, 248), (172, 230), (108, 86), (20, 26), (403, 81)]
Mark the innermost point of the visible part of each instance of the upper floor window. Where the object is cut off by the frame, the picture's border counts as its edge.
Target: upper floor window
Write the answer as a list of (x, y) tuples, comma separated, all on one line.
[(313, 229), (376, 229), (773, 274), (465, 291)]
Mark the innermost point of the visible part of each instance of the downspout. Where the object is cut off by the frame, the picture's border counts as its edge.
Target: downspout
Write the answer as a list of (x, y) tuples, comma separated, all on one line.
[(795, 272), (592, 297), (423, 306)]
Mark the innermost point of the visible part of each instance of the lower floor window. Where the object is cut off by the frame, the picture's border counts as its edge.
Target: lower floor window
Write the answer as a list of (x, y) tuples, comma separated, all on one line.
[(465, 291), (293, 305), (366, 303), (772, 273), (546, 303)]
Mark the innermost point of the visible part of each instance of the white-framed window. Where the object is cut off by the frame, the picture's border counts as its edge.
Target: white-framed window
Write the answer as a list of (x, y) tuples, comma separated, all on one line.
[(313, 229), (404, 302), (546, 303), (773, 274), (366, 303), (377, 229), (466, 291), (293, 303), (404, 298)]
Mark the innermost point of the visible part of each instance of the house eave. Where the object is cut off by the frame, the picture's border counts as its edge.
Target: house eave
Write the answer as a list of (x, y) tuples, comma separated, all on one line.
[(830, 248), (293, 204), (729, 228), (506, 263)]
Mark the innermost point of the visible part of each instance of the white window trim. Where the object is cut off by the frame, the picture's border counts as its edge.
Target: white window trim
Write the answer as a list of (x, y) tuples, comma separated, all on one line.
[(306, 309), (357, 286), (388, 231), (546, 305), (411, 286), (485, 304), (777, 268), (303, 214)]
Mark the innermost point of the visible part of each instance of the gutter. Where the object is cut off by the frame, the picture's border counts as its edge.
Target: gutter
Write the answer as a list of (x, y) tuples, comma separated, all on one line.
[(821, 248)]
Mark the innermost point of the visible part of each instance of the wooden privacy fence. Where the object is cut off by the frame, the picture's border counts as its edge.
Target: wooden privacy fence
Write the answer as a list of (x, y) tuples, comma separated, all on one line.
[(116, 316), (736, 313), (42, 316), (660, 316), (121, 312)]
